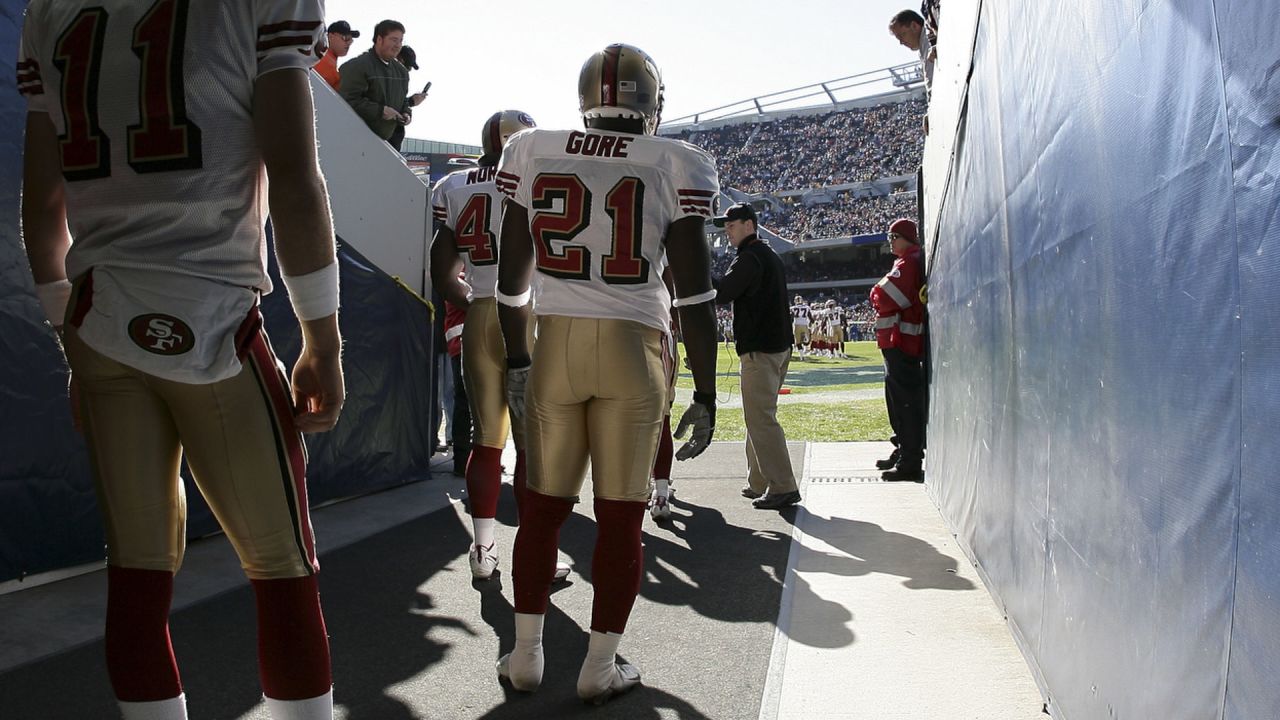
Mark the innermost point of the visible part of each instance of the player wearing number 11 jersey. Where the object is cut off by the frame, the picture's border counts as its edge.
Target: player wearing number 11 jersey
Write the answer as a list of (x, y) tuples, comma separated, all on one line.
[(594, 216), (152, 129)]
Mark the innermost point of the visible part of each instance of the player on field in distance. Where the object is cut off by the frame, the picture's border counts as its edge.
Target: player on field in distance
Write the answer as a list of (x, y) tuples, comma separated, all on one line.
[(468, 206), (593, 218), (800, 313), (149, 126)]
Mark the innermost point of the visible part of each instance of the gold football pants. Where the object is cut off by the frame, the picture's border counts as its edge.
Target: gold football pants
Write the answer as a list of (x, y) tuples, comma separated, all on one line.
[(597, 391), (484, 370), (239, 440)]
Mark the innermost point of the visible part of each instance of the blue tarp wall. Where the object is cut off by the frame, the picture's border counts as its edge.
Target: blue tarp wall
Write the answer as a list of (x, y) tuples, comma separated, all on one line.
[(1105, 308), (48, 516)]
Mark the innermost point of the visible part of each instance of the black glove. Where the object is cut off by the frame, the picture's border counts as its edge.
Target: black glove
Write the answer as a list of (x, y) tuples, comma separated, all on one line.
[(701, 416)]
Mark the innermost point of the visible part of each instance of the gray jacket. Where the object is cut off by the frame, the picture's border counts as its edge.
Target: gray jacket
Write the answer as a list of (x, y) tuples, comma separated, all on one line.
[(368, 84)]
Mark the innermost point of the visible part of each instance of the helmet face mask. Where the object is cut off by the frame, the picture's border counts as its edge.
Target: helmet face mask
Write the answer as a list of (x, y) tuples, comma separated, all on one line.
[(621, 82), (500, 127)]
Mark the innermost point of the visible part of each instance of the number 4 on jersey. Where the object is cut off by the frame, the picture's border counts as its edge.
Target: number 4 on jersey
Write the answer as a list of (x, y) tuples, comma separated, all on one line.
[(473, 236)]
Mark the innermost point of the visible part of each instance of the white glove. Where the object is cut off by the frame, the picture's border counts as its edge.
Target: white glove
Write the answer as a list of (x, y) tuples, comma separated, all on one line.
[(517, 378), (701, 416)]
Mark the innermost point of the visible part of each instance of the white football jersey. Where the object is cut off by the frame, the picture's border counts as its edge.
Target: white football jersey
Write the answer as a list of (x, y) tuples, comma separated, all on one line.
[(599, 207), (153, 101), (800, 314), (470, 205)]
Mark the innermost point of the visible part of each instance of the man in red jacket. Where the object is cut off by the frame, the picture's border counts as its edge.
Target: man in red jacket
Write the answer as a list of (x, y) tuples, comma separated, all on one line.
[(900, 337)]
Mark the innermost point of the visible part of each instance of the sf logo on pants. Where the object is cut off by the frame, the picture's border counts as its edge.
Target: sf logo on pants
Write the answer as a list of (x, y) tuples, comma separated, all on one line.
[(161, 334)]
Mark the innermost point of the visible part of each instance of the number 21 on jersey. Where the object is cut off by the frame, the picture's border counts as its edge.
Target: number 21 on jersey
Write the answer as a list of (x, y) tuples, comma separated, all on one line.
[(624, 265)]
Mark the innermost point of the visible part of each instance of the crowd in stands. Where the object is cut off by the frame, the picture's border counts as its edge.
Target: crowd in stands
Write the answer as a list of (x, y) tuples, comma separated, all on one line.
[(854, 145), (844, 217), (818, 271)]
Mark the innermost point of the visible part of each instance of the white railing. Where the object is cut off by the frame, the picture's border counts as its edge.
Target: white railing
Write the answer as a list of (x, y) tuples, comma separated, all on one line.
[(379, 206)]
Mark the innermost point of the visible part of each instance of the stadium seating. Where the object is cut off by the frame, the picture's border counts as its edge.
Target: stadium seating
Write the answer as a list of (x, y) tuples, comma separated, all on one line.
[(844, 217), (845, 146)]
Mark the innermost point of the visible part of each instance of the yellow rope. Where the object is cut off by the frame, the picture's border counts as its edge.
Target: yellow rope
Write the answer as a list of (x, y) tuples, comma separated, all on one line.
[(431, 308)]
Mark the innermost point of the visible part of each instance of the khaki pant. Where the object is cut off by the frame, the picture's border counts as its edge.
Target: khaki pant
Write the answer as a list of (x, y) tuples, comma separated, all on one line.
[(768, 461)]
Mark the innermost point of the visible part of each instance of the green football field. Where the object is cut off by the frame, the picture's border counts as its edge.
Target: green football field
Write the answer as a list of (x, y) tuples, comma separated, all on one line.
[(824, 399)]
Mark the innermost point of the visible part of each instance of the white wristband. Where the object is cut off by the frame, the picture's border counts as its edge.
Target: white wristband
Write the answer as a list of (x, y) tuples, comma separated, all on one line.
[(514, 300), (54, 297), (314, 295), (707, 296)]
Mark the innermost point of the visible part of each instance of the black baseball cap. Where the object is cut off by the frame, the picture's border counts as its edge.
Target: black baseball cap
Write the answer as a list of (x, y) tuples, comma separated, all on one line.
[(342, 27), (739, 211), (408, 57)]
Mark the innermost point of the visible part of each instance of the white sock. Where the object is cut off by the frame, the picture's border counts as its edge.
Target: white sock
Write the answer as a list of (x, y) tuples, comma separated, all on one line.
[(171, 709), (603, 647), (483, 528), (316, 708), (662, 487), (529, 629), (598, 671), (525, 663)]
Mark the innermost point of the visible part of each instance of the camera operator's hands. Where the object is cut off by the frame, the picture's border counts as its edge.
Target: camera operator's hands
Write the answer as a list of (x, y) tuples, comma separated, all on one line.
[(700, 416)]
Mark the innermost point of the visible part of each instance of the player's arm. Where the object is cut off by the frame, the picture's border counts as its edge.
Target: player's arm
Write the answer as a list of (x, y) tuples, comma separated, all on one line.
[(446, 263), (690, 262), (284, 123), (515, 270), (690, 259), (44, 215)]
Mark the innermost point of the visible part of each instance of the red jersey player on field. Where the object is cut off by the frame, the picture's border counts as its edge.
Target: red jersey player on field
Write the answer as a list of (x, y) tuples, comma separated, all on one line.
[(593, 218), (149, 126)]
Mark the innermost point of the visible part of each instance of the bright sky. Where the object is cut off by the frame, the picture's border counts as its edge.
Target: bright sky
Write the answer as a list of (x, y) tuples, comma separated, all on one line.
[(487, 56)]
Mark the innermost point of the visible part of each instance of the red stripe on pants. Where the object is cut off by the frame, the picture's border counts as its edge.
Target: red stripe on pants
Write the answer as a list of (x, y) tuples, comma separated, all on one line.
[(295, 456)]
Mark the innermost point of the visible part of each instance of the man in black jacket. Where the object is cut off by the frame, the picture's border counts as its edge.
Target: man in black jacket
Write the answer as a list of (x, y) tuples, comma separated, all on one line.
[(757, 287)]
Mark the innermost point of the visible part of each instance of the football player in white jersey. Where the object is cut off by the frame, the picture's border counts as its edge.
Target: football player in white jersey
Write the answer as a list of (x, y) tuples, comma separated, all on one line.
[(468, 206), (800, 324), (592, 219), (150, 124)]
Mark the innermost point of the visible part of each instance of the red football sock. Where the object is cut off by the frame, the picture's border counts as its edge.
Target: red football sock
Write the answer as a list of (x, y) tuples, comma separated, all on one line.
[(618, 563), (484, 480), (520, 481), (534, 558), (293, 647), (139, 654), (666, 447)]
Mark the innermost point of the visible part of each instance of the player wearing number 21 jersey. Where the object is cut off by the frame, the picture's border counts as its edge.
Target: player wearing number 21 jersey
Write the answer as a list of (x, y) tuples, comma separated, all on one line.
[(594, 216), (152, 129)]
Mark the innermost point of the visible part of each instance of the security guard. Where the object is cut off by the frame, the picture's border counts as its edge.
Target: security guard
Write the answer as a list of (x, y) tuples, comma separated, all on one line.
[(900, 336), (757, 287)]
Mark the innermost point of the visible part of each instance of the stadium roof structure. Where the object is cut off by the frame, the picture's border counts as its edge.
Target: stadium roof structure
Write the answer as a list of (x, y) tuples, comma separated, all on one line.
[(436, 147), (866, 89)]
